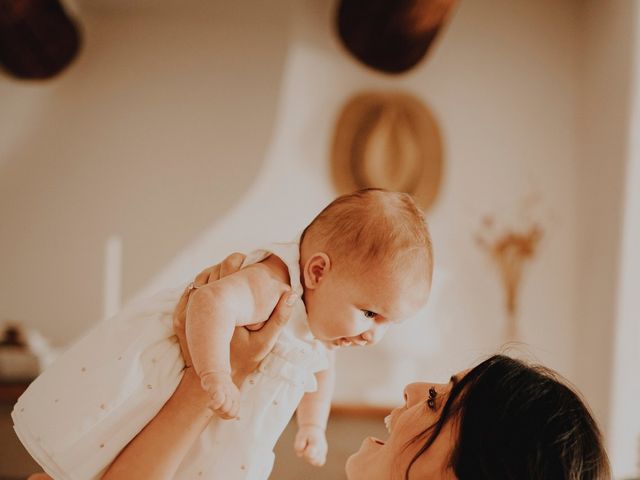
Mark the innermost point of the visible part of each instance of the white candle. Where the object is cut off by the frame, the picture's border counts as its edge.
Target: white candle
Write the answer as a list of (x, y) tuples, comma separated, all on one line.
[(112, 276)]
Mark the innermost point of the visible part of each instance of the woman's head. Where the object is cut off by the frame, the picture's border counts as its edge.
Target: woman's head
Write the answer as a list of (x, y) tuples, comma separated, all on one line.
[(502, 419)]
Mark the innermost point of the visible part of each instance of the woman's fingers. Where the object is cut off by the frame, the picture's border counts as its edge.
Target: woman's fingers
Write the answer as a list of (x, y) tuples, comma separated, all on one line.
[(249, 348), (179, 316), (207, 275), (266, 337), (231, 264)]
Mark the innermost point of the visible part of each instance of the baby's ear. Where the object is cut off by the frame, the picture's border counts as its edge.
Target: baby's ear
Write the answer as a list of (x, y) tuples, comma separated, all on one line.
[(317, 266)]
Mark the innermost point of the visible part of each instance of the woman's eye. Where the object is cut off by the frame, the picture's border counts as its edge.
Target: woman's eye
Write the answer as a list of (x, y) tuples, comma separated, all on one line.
[(369, 314), (431, 401)]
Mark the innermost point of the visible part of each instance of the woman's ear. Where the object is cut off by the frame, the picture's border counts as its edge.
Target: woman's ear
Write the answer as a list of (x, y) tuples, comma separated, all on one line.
[(317, 266)]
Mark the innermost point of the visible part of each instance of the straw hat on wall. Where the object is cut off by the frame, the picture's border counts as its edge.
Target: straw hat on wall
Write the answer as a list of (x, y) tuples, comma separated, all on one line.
[(387, 140)]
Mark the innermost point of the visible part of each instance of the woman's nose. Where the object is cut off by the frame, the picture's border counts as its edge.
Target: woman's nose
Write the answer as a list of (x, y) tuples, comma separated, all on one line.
[(415, 393), (419, 392)]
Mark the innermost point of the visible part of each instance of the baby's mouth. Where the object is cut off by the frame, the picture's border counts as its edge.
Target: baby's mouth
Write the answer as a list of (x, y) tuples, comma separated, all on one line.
[(349, 341)]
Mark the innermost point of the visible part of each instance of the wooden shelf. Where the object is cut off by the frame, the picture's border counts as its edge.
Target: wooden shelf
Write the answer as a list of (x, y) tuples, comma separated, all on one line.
[(359, 410), (10, 391)]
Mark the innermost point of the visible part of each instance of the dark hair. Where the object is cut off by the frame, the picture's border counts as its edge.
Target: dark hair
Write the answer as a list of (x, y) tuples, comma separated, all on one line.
[(518, 422)]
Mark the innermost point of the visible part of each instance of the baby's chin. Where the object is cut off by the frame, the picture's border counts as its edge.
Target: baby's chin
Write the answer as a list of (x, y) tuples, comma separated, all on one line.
[(329, 345)]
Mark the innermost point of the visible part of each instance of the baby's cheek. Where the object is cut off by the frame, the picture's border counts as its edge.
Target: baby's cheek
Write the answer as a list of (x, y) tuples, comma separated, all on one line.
[(379, 333), (350, 327), (331, 330), (332, 324), (321, 326)]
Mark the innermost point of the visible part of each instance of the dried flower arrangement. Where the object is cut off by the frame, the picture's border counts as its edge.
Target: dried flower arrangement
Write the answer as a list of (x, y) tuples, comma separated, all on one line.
[(510, 250)]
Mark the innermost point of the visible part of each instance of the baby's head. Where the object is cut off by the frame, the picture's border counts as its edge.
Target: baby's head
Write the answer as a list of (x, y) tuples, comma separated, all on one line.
[(366, 263)]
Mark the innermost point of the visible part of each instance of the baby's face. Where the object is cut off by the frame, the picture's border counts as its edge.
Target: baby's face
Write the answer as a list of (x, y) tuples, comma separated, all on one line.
[(357, 309)]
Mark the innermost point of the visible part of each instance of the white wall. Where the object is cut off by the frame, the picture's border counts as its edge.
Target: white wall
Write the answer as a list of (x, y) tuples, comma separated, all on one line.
[(502, 83), (158, 128), (624, 429), (603, 119), (102, 150)]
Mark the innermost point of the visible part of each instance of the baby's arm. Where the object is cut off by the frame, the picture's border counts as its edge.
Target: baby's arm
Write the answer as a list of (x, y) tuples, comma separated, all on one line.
[(243, 298), (312, 416)]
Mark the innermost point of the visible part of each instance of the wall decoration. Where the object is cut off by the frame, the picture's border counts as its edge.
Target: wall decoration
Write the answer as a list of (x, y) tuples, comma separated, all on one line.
[(510, 250), (17, 362), (391, 35), (37, 38), (388, 140)]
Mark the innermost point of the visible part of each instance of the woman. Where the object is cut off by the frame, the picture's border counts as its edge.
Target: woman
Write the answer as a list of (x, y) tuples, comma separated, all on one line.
[(502, 419)]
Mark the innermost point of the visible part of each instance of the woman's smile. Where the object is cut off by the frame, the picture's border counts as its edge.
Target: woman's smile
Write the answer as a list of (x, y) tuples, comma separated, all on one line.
[(390, 419)]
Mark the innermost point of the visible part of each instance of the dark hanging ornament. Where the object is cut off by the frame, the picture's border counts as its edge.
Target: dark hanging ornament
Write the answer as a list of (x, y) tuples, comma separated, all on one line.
[(391, 35), (37, 38)]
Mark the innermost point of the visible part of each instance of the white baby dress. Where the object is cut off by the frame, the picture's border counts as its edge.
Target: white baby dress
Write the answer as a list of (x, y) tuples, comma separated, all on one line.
[(83, 410)]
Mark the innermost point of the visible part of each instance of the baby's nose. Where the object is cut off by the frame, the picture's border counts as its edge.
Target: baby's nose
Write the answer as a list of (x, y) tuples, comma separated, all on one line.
[(375, 334), (367, 336), (362, 339)]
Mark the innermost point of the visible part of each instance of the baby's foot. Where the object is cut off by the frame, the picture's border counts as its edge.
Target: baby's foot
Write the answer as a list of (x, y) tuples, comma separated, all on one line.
[(311, 444), (225, 396)]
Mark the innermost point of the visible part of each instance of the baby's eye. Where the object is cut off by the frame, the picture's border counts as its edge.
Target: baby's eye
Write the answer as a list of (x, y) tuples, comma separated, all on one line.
[(369, 314)]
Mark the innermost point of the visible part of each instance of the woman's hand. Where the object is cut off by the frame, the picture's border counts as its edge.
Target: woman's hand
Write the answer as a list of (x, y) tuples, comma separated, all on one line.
[(159, 449), (229, 265), (248, 348)]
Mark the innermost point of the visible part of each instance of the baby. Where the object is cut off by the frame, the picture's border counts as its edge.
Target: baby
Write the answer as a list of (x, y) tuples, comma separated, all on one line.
[(364, 263)]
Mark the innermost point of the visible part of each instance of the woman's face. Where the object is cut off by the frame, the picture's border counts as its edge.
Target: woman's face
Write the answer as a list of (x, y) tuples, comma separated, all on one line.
[(389, 459)]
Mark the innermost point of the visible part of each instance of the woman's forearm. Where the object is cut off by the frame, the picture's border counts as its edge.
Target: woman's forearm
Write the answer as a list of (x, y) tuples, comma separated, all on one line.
[(157, 451)]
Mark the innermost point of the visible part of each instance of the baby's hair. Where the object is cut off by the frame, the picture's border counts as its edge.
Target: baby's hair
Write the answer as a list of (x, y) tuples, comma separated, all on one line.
[(373, 225)]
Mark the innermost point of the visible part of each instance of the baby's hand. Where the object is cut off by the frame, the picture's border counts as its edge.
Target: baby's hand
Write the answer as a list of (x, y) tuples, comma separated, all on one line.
[(225, 396), (311, 444)]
